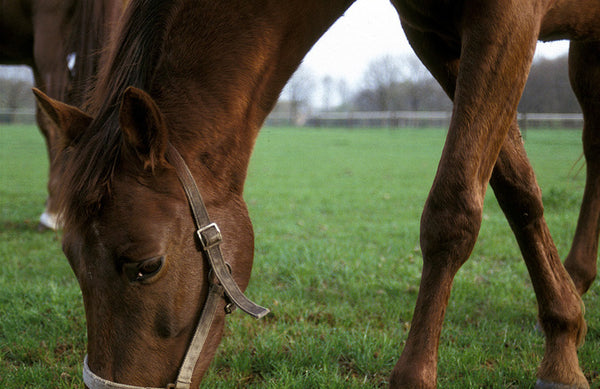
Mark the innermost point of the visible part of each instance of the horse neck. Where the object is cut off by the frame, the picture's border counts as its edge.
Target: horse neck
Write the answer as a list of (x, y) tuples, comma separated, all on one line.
[(217, 83)]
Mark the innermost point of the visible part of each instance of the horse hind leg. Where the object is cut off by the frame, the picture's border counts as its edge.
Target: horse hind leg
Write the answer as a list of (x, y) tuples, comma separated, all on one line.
[(49, 218), (560, 308), (584, 70)]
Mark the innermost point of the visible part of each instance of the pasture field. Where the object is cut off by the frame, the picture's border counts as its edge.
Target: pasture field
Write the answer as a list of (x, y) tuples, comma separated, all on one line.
[(336, 216)]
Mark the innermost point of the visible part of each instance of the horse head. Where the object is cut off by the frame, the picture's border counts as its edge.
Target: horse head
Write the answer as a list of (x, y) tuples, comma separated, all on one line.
[(131, 240)]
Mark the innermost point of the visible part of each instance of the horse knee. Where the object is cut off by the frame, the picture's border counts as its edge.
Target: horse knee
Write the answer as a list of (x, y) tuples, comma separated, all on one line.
[(564, 320), (411, 378), (449, 229)]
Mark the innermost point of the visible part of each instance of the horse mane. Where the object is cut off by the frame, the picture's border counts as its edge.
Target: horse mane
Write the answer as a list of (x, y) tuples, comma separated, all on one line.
[(131, 60), (89, 34)]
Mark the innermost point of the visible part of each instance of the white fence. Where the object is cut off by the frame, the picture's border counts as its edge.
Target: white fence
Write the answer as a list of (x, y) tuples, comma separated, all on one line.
[(349, 119), (550, 120), (399, 119), (22, 116)]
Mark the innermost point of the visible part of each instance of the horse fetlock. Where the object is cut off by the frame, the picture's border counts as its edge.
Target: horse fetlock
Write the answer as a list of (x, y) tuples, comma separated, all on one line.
[(409, 377), (560, 366), (564, 327)]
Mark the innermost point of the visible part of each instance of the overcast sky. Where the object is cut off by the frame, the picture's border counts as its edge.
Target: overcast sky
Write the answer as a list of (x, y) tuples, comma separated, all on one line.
[(371, 29)]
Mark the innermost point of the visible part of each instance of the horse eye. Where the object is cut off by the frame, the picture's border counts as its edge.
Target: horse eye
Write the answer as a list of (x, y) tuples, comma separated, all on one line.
[(144, 270)]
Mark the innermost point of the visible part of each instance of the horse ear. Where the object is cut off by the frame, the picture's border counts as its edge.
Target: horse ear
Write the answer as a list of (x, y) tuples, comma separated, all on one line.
[(143, 127), (70, 120)]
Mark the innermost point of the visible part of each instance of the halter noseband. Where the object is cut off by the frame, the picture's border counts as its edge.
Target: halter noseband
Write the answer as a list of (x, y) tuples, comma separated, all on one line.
[(224, 287)]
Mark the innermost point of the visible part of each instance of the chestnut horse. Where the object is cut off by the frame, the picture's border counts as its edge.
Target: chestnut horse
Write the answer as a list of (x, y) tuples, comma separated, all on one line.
[(46, 35), (185, 90)]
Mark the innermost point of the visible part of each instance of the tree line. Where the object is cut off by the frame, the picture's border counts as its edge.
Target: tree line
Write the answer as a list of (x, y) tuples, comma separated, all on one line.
[(403, 84), (388, 84)]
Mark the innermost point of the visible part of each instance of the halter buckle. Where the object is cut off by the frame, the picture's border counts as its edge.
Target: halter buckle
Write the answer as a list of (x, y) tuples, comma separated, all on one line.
[(209, 236)]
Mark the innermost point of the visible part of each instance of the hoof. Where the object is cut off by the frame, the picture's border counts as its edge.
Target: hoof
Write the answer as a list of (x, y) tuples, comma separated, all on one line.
[(541, 384), (48, 221)]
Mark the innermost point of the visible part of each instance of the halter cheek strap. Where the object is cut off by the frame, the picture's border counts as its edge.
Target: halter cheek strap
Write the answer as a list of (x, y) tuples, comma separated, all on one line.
[(210, 237), (224, 287)]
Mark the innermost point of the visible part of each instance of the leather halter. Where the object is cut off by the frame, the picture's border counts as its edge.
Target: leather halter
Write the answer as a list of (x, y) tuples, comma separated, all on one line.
[(224, 287)]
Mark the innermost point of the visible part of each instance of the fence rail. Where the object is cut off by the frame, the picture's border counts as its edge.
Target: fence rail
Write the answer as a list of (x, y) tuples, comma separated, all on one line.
[(350, 119), (398, 119), (21, 116)]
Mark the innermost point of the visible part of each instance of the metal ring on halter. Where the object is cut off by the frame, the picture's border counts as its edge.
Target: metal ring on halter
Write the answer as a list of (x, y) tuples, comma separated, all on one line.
[(229, 306)]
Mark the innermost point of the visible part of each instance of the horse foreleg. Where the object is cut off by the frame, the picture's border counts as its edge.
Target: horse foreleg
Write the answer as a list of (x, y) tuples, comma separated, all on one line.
[(584, 68), (417, 366), (493, 66), (560, 308)]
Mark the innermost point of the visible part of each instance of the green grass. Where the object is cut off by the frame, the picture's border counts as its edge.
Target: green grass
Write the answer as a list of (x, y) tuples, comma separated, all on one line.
[(42, 323), (336, 215)]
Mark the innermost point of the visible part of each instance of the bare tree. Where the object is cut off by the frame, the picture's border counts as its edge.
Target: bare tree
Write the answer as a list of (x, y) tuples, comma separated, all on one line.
[(381, 77), (327, 89), (548, 88), (299, 91), (412, 69), (401, 83), (344, 93)]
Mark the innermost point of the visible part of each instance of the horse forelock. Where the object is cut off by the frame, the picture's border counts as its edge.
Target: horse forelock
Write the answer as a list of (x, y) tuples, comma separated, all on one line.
[(89, 164)]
